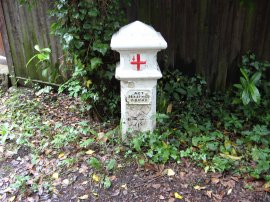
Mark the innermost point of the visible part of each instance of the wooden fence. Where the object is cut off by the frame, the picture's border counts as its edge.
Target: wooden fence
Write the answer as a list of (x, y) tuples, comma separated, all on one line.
[(208, 37), (24, 29), (205, 37)]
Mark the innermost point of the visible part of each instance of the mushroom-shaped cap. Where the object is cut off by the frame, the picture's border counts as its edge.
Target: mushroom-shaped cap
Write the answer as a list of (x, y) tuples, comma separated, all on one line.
[(137, 35)]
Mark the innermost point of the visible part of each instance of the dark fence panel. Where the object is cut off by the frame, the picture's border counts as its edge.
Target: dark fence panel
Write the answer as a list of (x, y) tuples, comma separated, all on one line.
[(25, 29), (208, 37), (205, 37)]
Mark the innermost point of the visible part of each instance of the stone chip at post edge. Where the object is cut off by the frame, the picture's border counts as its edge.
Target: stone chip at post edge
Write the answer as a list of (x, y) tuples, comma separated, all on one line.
[(138, 72)]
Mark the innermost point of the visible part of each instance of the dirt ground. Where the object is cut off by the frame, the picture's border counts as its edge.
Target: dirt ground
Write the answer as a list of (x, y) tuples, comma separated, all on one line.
[(129, 181)]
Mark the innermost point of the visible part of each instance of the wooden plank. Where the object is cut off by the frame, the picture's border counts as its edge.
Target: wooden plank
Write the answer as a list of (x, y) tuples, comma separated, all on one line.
[(6, 46)]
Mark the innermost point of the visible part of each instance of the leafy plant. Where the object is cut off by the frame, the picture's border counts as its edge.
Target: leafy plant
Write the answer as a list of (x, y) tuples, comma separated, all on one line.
[(111, 164), (44, 64), (248, 89), (107, 182), (85, 29), (20, 183), (95, 163), (253, 76), (4, 133)]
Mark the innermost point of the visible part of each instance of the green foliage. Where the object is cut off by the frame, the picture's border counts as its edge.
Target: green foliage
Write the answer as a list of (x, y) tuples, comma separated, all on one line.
[(29, 3), (253, 75), (66, 136), (206, 128), (20, 183), (111, 164), (42, 56), (107, 182), (4, 133), (262, 160), (44, 64), (95, 163), (85, 29)]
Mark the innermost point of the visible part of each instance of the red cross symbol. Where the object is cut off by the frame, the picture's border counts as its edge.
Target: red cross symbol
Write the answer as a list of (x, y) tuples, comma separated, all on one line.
[(138, 62)]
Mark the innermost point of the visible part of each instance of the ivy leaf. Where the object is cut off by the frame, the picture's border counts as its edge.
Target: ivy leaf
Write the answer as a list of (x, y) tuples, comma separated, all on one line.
[(93, 12), (87, 37), (68, 38), (107, 183), (100, 47), (111, 164), (94, 162), (87, 26), (79, 44), (95, 63)]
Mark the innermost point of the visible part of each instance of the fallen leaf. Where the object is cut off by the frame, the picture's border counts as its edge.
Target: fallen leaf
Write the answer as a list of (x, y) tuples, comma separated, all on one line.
[(47, 151), (95, 178), (55, 176), (83, 197), (235, 178), (61, 155), (182, 174), (65, 181), (55, 190), (214, 180), (209, 193), (156, 186), (11, 198), (197, 187), (178, 196), (228, 184), (112, 178), (150, 166), (266, 185), (95, 194), (171, 200), (227, 156), (7, 190), (83, 168), (217, 196), (161, 197), (116, 193), (119, 166), (124, 186), (84, 182), (169, 108), (170, 172), (229, 191), (90, 152), (101, 137)]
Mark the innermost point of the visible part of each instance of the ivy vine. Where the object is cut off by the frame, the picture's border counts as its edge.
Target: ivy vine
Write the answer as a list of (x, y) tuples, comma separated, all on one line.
[(85, 29)]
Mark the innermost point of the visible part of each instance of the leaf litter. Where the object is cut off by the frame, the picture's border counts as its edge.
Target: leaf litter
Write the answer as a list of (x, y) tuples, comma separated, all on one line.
[(43, 171)]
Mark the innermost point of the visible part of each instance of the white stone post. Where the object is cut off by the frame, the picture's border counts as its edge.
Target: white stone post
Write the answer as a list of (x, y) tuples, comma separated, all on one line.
[(138, 72)]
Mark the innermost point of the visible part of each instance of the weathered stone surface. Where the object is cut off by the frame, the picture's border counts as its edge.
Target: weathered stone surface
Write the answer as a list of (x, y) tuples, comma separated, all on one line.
[(138, 72)]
